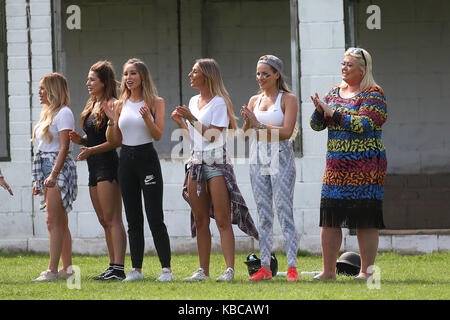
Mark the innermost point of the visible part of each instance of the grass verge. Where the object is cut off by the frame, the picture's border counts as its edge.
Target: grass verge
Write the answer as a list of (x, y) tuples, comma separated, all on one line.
[(403, 277)]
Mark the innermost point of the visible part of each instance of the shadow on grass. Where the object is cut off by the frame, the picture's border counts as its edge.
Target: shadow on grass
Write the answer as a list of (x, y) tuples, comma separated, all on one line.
[(301, 253), (350, 281)]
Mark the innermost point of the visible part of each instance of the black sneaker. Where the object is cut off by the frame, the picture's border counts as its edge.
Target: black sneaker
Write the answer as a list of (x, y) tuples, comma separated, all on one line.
[(101, 275), (114, 274)]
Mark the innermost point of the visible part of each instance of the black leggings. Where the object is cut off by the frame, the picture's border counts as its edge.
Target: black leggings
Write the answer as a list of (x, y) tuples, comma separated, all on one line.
[(140, 171)]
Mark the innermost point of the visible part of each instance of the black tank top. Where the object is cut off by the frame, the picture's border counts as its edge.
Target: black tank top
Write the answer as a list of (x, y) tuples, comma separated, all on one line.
[(96, 137)]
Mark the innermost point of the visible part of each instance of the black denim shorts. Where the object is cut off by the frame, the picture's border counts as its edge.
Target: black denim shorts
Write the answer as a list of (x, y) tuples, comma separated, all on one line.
[(102, 170)]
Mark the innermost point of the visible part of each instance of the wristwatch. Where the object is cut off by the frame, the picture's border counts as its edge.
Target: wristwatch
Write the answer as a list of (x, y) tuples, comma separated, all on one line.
[(192, 122)]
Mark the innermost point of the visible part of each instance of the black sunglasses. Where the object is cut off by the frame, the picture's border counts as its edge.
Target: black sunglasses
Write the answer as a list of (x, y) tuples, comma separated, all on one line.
[(359, 51)]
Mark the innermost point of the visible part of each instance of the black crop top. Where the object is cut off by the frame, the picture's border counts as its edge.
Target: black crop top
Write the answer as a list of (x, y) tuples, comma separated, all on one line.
[(94, 138)]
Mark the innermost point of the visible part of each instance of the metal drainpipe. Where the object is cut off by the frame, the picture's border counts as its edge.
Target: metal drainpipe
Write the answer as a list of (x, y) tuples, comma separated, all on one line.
[(30, 93)]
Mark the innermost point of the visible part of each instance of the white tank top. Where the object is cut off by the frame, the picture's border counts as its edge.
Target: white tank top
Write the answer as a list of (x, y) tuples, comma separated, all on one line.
[(132, 125), (274, 116)]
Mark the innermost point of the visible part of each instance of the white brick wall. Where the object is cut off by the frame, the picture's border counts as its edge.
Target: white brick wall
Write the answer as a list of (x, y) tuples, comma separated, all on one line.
[(321, 31), (15, 212), (322, 43)]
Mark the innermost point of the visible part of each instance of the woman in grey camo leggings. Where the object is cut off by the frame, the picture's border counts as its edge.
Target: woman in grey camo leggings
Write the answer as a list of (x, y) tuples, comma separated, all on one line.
[(273, 113)]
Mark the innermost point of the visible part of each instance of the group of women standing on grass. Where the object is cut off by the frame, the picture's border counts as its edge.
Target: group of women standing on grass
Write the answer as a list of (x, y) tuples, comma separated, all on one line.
[(133, 121)]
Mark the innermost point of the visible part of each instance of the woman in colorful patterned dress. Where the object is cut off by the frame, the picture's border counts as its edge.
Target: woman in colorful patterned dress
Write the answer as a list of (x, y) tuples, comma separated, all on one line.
[(353, 183)]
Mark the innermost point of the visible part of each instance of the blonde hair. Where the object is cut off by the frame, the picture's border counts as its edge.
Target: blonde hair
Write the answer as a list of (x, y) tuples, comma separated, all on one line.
[(365, 65), (105, 72), (55, 85), (281, 83), (148, 88), (211, 71)]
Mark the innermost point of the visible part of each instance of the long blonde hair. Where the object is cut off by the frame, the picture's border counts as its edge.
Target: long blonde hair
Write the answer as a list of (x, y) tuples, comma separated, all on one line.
[(148, 87), (365, 64), (211, 71), (105, 72), (55, 85)]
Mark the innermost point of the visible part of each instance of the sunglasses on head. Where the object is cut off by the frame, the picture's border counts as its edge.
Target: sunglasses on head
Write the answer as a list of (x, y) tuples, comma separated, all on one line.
[(360, 52)]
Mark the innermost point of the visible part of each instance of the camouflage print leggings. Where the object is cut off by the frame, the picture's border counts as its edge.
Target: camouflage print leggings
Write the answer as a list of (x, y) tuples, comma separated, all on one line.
[(273, 183)]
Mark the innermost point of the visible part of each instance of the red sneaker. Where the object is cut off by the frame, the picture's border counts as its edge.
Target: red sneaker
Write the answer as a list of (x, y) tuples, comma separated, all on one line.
[(261, 274), (292, 274)]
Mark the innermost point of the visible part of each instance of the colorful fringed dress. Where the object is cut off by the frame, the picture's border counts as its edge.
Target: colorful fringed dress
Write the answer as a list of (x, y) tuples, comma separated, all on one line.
[(353, 182)]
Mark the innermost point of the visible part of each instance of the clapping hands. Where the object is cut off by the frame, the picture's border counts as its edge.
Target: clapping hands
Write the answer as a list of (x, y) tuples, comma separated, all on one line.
[(145, 112), (249, 116), (321, 106), (184, 112)]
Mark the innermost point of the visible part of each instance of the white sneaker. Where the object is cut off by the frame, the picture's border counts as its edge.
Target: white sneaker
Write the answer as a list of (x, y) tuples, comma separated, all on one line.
[(166, 275), (46, 275), (198, 275), (133, 275), (228, 275)]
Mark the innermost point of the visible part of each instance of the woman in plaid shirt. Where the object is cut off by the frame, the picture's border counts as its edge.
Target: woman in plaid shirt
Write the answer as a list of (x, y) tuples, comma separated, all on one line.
[(210, 186), (54, 171)]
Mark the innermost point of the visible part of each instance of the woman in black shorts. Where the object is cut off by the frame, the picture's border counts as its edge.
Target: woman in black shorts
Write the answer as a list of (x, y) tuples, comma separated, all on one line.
[(102, 162)]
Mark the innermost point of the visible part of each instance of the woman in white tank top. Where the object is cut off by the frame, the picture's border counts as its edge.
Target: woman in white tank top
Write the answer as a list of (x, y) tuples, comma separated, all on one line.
[(272, 114), (137, 119)]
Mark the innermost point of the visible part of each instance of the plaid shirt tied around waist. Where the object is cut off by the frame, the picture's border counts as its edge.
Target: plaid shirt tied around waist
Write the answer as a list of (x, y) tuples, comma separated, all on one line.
[(66, 180), (239, 211)]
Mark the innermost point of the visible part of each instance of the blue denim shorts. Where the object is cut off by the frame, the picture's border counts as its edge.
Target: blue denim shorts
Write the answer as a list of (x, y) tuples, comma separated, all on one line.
[(210, 172), (46, 167)]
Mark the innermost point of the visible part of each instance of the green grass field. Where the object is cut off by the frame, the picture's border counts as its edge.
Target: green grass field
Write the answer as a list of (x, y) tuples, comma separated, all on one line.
[(418, 277)]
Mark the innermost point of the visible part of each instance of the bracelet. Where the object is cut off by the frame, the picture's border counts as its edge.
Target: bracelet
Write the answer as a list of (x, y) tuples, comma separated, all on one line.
[(110, 123), (262, 126), (192, 122)]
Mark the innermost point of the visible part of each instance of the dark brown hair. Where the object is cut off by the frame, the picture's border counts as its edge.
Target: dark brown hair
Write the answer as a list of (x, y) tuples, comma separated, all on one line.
[(105, 72)]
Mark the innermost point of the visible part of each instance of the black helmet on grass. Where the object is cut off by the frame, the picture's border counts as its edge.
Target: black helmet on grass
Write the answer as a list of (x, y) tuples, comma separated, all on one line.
[(349, 264), (254, 264)]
